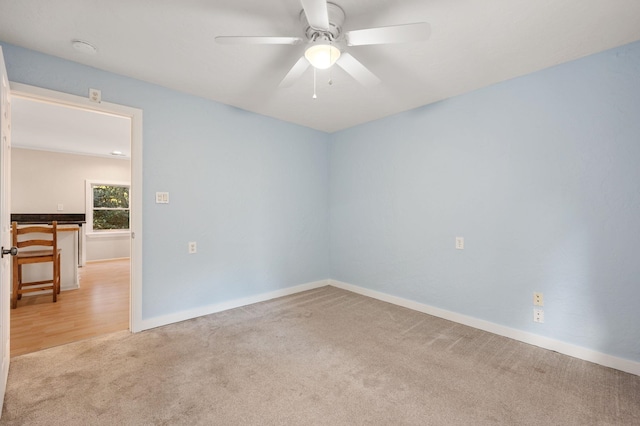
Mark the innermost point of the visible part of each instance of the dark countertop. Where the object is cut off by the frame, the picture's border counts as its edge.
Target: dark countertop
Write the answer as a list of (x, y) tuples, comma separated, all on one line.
[(61, 218)]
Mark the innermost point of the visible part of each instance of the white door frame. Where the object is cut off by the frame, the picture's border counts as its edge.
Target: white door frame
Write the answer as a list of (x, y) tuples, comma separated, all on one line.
[(135, 114), (5, 201)]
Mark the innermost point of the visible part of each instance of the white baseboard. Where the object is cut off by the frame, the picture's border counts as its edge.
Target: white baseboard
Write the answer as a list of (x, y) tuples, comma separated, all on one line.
[(575, 351), (579, 352), (149, 323), (111, 259)]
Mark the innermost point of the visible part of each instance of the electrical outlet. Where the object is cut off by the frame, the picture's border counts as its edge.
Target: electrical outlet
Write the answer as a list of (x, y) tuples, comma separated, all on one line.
[(538, 299), (538, 315), (95, 95), (192, 247), (459, 243), (60, 207)]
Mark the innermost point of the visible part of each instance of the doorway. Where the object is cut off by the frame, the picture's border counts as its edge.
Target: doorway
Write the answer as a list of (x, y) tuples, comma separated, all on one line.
[(125, 273)]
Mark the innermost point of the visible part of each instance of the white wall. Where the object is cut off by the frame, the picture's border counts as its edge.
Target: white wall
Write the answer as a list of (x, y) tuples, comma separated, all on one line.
[(40, 180), (110, 247)]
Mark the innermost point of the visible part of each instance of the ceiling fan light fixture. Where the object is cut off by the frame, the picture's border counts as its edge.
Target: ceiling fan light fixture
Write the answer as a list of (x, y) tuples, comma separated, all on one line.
[(322, 54)]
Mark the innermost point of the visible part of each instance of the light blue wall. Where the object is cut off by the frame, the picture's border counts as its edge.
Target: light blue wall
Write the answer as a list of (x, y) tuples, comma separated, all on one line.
[(250, 190), (540, 175)]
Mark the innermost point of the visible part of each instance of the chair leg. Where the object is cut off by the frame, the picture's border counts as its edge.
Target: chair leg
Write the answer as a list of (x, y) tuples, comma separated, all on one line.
[(54, 280), (19, 282), (14, 295), (59, 279)]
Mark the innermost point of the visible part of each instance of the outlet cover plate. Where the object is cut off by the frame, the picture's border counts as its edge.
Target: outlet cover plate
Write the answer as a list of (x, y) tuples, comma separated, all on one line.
[(538, 315), (95, 95), (538, 299)]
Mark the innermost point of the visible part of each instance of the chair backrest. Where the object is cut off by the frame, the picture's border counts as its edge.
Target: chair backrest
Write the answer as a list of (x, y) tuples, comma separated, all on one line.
[(31, 241)]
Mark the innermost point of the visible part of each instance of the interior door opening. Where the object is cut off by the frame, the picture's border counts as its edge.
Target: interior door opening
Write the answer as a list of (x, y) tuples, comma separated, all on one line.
[(101, 298)]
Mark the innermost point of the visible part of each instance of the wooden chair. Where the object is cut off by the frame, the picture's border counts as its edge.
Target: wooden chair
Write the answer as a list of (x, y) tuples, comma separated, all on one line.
[(50, 253)]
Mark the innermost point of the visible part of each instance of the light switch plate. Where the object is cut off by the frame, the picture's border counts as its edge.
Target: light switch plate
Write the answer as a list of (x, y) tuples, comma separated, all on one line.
[(162, 198), (459, 243)]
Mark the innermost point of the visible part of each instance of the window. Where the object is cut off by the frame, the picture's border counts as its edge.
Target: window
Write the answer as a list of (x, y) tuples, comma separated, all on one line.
[(107, 207)]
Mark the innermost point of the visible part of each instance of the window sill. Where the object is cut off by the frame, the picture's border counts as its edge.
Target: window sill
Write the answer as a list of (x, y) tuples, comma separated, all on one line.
[(108, 234)]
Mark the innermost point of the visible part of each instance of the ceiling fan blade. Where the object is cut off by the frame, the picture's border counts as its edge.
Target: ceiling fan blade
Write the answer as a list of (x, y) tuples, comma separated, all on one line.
[(295, 72), (356, 70), (317, 13), (257, 40), (385, 35)]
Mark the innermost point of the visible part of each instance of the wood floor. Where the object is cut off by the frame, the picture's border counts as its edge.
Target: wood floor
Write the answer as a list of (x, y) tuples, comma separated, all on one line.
[(99, 306)]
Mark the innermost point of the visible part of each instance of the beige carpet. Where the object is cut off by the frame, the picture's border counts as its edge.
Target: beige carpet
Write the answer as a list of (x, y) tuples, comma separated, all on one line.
[(324, 357)]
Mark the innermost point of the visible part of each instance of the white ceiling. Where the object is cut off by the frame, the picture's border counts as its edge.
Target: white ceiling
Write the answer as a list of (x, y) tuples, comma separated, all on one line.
[(51, 127), (473, 43)]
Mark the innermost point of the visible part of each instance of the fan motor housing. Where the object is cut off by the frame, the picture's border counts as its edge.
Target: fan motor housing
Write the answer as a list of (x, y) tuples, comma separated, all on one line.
[(336, 19)]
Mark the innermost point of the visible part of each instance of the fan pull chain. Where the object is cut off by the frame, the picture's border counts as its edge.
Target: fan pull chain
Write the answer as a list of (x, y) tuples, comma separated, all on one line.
[(330, 68), (314, 84)]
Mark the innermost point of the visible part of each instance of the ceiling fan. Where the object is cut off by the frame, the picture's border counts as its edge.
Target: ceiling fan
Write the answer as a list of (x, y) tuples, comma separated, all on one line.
[(326, 43)]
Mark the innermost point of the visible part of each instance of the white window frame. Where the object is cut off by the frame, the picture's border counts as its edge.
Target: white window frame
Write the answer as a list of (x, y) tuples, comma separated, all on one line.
[(89, 184)]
